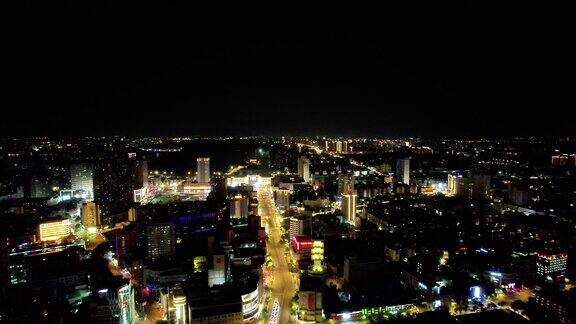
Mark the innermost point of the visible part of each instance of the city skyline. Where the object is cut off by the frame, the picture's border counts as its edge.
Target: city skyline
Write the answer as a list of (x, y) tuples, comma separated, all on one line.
[(280, 230), (175, 164)]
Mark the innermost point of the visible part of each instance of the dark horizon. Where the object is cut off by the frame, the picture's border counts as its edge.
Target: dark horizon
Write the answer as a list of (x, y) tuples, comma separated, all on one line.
[(114, 70), (361, 124)]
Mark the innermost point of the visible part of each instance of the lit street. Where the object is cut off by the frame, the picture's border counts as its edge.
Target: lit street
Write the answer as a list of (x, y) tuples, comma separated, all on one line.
[(283, 286), (509, 298), (154, 312)]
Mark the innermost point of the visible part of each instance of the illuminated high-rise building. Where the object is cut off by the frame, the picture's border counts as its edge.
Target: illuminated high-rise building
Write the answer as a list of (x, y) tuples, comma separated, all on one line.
[(556, 308), (338, 146), (217, 275), (142, 173), (310, 302), (81, 179), (37, 187), (300, 226), (239, 207), (452, 184), (113, 191), (403, 171), (179, 300), (253, 206), (564, 160), (90, 214), (160, 241), (282, 198), (132, 215), (137, 177), (346, 184), (349, 208), (304, 168), (476, 186), (119, 295), (327, 145), (174, 301), (203, 169), (345, 147)]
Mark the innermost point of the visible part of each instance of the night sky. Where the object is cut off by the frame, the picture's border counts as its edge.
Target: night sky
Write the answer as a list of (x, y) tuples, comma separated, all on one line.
[(462, 69)]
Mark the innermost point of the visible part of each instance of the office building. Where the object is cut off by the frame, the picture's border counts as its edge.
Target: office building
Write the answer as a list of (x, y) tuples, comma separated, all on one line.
[(216, 306), (254, 222), (403, 171), (518, 196), (300, 226), (160, 242), (90, 214), (142, 173), (112, 189), (475, 186), (173, 300), (557, 307), (461, 186), (38, 187), (81, 180), (132, 215), (239, 207), (551, 264), (61, 267), (54, 230), (163, 274), (217, 275), (346, 184), (282, 198), (310, 300), (360, 269), (564, 160), (480, 186), (327, 146), (203, 170), (137, 177), (253, 206), (115, 303), (345, 147), (304, 168)]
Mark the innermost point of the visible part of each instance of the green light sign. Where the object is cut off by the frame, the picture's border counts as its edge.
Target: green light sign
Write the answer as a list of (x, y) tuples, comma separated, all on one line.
[(392, 310)]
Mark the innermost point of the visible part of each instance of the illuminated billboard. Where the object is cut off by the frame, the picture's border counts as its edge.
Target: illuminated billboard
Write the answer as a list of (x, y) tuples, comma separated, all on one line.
[(318, 256), (53, 231), (200, 264), (125, 302), (301, 243), (476, 292)]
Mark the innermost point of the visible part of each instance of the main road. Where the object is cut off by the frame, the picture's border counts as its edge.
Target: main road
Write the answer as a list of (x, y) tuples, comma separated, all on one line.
[(282, 283)]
